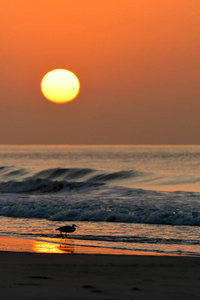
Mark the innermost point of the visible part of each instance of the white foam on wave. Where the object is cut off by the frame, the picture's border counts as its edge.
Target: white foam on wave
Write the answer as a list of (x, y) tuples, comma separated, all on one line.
[(96, 202)]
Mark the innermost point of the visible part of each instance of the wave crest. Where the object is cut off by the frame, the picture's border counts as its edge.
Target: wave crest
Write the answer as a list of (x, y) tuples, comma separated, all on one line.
[(63, 173)]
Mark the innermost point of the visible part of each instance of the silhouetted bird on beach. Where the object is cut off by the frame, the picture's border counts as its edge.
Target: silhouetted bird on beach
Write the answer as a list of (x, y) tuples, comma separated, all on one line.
[(67, 229)]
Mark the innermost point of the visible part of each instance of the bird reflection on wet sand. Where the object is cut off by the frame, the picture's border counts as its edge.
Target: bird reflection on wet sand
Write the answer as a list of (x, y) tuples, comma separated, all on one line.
[(67, 248)]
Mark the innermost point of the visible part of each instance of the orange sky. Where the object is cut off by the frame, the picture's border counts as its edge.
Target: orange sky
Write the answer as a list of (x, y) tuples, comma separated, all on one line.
[(138, 62)]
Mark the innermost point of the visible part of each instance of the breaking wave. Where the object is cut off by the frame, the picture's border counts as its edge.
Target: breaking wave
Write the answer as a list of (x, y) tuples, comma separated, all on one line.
[(43, 186), (63, 174), (85, 194)]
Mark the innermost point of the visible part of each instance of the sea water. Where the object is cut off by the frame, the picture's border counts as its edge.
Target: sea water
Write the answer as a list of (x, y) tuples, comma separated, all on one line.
[(130, 198)]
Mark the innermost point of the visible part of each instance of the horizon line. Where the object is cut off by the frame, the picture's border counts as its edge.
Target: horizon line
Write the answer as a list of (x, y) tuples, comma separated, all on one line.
[(105, 145)]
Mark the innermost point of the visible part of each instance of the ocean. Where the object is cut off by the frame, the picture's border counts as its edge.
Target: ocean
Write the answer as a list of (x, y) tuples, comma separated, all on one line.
[(143, 199)]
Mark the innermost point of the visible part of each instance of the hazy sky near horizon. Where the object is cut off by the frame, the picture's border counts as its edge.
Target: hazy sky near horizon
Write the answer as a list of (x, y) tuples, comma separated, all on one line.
[(138, 62)]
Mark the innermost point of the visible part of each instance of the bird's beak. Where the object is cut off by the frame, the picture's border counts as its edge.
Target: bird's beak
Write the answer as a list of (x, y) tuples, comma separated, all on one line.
[(76, 225)]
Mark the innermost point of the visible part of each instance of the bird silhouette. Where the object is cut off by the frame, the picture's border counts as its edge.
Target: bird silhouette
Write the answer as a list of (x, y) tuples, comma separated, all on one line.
[(67, 229)]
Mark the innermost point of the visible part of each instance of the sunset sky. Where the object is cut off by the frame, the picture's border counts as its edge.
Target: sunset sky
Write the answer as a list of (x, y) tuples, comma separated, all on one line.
[(138, 62)]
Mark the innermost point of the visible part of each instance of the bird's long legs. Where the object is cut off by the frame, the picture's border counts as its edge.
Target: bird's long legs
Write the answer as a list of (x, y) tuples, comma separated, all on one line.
[(64, 236)]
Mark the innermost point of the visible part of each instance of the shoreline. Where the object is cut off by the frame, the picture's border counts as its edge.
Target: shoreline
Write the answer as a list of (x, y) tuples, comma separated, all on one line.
[(34, 245)]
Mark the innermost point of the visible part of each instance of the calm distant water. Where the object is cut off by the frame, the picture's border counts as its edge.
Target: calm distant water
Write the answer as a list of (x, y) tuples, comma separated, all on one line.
[(122, 197)]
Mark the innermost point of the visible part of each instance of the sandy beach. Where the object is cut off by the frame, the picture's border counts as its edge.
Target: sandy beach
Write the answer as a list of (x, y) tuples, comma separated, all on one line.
[(29, 275)]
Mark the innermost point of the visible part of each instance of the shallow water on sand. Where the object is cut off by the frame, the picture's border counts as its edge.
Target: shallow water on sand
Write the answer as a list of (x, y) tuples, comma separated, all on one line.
[(102, 236)]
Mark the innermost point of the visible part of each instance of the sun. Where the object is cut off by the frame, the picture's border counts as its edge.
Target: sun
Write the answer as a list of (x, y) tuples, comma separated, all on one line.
[(60, 86)]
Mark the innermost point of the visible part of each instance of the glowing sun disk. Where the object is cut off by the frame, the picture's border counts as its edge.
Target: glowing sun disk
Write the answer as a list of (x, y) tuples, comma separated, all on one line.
[(60, 86)]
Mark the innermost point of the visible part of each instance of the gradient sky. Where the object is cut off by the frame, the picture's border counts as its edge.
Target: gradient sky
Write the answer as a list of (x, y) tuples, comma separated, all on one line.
[(138, 62)]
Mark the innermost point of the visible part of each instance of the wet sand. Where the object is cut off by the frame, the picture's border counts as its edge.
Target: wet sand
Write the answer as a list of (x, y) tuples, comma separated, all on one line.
[(27, 275)]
